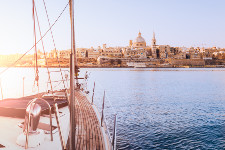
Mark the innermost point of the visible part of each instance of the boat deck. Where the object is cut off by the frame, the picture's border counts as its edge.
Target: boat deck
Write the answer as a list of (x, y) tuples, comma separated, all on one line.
[(88, 129), (89, 134)]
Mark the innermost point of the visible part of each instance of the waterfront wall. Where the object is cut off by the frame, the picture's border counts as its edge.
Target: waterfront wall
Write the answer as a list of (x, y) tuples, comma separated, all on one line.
[(188, 62)]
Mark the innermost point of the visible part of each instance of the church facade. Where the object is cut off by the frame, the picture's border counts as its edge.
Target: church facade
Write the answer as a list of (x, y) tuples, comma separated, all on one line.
[(137, 48)]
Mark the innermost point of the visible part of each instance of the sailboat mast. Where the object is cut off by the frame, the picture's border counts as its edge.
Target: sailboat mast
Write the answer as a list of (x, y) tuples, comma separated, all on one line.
[(72, 87), (76, 68)]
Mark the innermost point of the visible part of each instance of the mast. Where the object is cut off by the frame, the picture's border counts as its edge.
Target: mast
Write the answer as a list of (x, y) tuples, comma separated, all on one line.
[(72, 87)]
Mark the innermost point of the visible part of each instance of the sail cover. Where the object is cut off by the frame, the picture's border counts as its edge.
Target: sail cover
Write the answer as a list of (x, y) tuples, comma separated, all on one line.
[(16, 107)]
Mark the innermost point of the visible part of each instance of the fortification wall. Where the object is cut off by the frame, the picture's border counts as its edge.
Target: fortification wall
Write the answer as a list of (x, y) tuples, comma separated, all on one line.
[(188, 62)]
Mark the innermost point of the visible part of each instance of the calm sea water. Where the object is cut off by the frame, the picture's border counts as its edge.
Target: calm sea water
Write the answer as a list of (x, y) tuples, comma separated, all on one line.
[(156, 108)]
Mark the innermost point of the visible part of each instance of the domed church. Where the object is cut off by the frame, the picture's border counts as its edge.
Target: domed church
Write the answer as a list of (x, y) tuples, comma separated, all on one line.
[(136, 49), (139, 49), (139, 42)]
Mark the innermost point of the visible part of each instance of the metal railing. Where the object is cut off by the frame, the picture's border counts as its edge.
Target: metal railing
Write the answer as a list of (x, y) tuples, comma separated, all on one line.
[(103, 119)]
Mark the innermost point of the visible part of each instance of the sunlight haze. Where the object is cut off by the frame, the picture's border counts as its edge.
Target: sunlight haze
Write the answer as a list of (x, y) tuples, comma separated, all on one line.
[(114, 22)]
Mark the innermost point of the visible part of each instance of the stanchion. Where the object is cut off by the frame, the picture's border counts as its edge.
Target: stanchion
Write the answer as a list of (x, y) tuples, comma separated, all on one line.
[(103, 104), (93, 94)]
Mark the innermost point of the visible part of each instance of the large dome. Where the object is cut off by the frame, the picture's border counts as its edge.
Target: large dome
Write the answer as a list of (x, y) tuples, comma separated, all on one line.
[(139, 39)]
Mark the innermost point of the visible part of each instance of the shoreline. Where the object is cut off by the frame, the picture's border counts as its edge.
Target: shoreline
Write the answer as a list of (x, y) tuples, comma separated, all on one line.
[(211, 66)]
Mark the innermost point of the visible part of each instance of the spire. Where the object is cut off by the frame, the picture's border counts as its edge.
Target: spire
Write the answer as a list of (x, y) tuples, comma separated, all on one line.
[(139, 34), (153, 39)]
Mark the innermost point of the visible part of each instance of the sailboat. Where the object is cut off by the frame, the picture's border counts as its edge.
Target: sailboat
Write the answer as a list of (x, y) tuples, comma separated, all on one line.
[(62, 119)]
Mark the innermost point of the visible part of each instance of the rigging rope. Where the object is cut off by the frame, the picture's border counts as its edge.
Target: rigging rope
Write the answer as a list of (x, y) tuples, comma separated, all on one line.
[(35, 48), (36, 42), (54, 44), (49, 77)]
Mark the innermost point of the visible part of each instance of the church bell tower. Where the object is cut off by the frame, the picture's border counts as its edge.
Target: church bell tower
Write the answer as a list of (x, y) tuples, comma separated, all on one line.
[(153, 46)]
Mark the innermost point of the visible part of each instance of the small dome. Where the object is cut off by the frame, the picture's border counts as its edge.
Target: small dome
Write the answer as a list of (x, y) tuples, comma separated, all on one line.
[(139, 39)]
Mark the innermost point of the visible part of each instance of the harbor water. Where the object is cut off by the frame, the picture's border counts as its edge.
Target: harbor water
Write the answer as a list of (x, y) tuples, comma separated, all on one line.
[(156, 108)]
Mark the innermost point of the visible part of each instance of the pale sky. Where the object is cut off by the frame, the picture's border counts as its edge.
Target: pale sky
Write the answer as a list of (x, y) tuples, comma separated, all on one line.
[(114, 22)]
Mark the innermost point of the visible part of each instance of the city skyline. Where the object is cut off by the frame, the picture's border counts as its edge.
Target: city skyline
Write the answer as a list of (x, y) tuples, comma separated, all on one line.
[(176, 23)]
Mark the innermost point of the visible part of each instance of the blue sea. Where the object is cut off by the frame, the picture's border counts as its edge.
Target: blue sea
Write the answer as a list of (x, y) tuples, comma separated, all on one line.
[(156, 108), (166, 108)]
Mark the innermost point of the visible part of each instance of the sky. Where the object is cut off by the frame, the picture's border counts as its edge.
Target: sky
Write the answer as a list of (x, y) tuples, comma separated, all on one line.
[(114, 22)]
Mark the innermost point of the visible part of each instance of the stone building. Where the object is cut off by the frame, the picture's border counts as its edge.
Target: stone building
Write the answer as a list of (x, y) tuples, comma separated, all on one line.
[(208, 53), (110, 51), (64, 54), (88, 53), (134, 53), (159, 51), (91, 53), (53, 54), (180, 55), (193, 53), (81, 52)]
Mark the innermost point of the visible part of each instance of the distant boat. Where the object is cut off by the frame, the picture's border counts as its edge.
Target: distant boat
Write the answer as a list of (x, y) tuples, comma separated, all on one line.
[(136, 64), (186, 67), (139, 65)]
